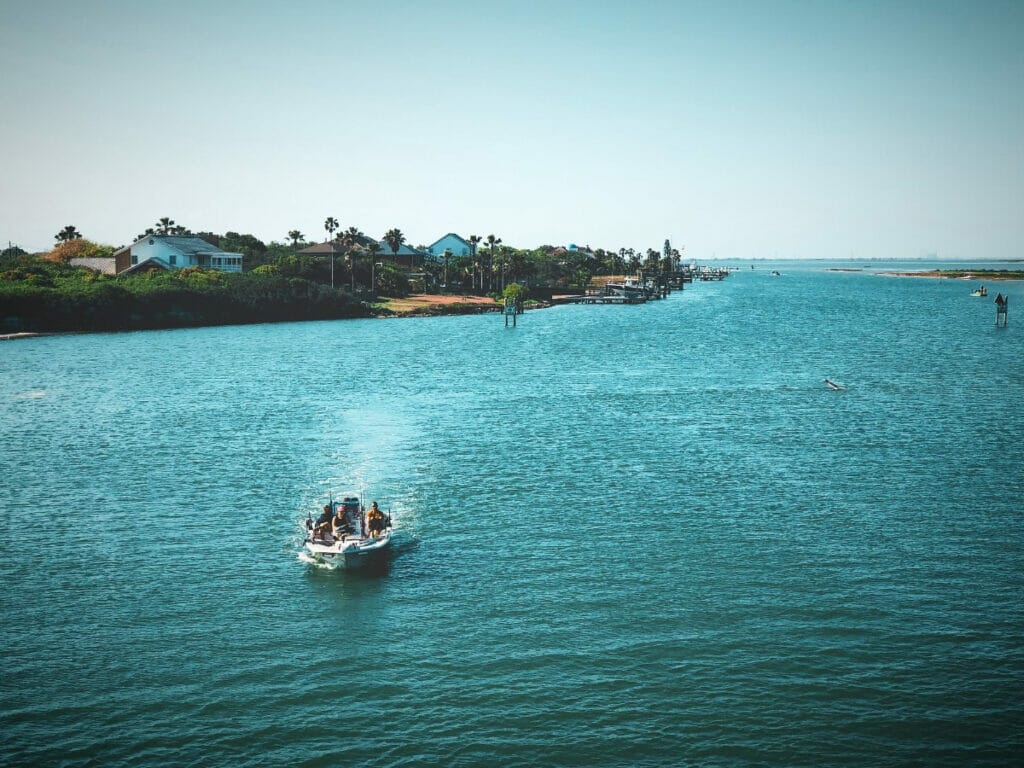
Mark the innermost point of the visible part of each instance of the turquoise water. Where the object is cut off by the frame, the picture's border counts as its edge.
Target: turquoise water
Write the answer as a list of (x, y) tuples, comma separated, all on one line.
[(628, 536)]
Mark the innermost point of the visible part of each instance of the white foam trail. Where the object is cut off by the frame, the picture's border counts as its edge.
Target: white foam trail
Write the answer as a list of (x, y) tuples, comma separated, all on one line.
[(305, 558)]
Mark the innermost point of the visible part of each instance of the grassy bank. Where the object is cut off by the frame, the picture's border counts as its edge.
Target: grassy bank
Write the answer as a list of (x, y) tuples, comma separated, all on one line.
[(41, 296)]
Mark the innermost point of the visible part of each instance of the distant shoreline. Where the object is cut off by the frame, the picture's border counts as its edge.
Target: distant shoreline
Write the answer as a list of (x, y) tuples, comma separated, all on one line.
[(962, 274)]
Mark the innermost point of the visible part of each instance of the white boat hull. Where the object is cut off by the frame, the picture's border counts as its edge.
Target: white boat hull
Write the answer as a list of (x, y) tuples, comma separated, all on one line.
[(350, 553), (357, 547)]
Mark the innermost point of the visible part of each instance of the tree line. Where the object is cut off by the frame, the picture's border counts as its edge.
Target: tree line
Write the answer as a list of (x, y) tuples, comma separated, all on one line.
[(363, 264), (38, 294)]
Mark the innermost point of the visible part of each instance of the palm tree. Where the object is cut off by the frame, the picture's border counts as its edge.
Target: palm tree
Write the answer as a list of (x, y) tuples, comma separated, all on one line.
[(350, 260), (394, 238), (149, 231), (331, 224), (164, 226), (351, 235), (373, 248), (447, 255), (492, 241), (296, 237), (517, 262), (68, 233), (474, 241)]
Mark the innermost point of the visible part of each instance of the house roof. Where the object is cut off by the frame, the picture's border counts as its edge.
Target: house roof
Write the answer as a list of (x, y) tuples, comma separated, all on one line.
[(181, 243), (458, 237), (323, 249), (403, 250), (360, 241), (146, 264)]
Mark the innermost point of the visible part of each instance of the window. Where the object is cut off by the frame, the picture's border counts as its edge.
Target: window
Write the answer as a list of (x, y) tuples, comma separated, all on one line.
[(135, 259), (173, 259)]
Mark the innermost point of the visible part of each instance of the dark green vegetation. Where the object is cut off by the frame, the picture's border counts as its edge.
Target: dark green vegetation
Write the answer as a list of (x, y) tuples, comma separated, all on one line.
[(492, 266), (41, 295), (487, 269)]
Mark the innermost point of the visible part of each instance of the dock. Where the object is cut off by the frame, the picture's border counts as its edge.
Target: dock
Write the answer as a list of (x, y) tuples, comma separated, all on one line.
[(601, 298), (643, 287)]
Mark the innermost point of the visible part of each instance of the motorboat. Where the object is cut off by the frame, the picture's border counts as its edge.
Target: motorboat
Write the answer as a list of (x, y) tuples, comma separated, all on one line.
[(983, 291), (628, 289), (345, 534)]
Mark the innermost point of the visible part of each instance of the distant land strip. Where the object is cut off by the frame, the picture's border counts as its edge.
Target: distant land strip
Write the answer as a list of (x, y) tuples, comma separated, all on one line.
[(963, 274)]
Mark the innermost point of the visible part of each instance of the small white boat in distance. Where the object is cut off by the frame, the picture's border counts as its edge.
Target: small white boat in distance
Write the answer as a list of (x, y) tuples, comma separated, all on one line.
[(347, 535)]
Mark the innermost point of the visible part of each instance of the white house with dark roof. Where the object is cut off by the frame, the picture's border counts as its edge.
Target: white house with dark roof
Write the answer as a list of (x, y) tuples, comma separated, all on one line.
[(450, 242), (177, 252)]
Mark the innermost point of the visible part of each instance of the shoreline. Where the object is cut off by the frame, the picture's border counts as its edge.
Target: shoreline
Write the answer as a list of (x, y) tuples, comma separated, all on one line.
[(443, 304), (431, 304), (960, 274)]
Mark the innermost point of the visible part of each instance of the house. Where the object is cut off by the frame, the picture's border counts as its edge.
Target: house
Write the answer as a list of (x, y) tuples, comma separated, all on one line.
[(450, 242), (406, 257), (175, 252)]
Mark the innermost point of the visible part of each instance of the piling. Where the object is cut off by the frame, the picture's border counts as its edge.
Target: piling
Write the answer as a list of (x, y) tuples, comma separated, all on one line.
[(1002, 302), (513, 309)]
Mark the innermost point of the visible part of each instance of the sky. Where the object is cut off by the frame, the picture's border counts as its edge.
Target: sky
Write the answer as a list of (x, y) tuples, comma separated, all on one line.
[(789, 129)]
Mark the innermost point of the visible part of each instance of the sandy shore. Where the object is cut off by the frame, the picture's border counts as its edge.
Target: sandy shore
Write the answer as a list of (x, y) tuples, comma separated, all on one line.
[(435, 304)]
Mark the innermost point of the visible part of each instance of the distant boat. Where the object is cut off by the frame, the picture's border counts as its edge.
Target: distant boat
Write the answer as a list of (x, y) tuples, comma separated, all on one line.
[(983, 291), (833, 386)]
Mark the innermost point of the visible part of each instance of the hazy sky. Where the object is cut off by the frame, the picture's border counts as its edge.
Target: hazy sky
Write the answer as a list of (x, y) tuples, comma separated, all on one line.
[(790, 129)]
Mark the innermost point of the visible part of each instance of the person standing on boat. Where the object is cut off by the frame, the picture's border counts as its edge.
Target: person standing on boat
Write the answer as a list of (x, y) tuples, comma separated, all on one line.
[(375, 519)]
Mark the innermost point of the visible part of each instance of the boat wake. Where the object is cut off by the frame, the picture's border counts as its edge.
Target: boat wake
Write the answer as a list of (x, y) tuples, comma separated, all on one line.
[(308, 559), (33, 394)]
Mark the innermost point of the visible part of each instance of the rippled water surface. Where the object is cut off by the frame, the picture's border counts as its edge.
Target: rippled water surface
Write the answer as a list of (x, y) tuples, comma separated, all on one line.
[(628, 536)]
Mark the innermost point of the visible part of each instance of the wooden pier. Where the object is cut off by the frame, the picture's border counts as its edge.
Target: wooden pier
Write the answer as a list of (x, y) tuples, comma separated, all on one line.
[(643, 287), (602, 298)]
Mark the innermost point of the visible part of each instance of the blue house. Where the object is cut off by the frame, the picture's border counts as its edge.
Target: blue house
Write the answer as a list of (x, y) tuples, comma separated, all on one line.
[(450, 242)]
